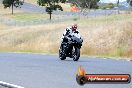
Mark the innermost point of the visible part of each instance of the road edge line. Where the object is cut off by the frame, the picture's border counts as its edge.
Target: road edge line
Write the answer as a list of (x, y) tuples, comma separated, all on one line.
[(4, 84)]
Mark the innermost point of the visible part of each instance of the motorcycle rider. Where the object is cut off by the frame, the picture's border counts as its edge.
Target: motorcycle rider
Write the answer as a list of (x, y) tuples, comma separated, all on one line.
[(69, 32)]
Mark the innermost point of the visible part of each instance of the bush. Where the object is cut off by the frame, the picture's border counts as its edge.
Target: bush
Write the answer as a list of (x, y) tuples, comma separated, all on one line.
[(108, 5)]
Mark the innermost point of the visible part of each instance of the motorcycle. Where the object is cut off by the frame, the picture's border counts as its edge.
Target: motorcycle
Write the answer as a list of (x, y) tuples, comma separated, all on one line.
[(70, 47)]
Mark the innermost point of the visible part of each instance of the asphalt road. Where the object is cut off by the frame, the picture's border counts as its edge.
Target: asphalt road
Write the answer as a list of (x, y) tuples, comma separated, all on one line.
[(39, 9), (47, 71)]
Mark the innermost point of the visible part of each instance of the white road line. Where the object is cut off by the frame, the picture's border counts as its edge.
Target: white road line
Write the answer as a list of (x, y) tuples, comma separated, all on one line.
[(4, 84)]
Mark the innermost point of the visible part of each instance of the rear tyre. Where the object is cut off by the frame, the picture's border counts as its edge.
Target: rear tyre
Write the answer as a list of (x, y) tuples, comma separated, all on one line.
[(76, 54)]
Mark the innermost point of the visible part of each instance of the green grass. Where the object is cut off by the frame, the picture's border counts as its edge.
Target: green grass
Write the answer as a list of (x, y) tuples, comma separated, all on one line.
[(29, 17), (35, 17), (104, 19)]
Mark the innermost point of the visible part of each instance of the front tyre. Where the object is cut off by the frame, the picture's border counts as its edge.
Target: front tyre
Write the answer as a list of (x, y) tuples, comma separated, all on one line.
[(62, 54), (76, 54)]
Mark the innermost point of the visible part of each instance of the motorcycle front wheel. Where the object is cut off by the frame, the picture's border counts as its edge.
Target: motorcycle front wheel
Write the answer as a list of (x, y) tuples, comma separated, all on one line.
[(62, 54)]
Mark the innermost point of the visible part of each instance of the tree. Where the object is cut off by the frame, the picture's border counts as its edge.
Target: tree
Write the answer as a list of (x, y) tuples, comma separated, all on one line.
[(118, 2), (107, 5), (110, 5), (87, 3), (12, 3), (51, 5), (130, 2)]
